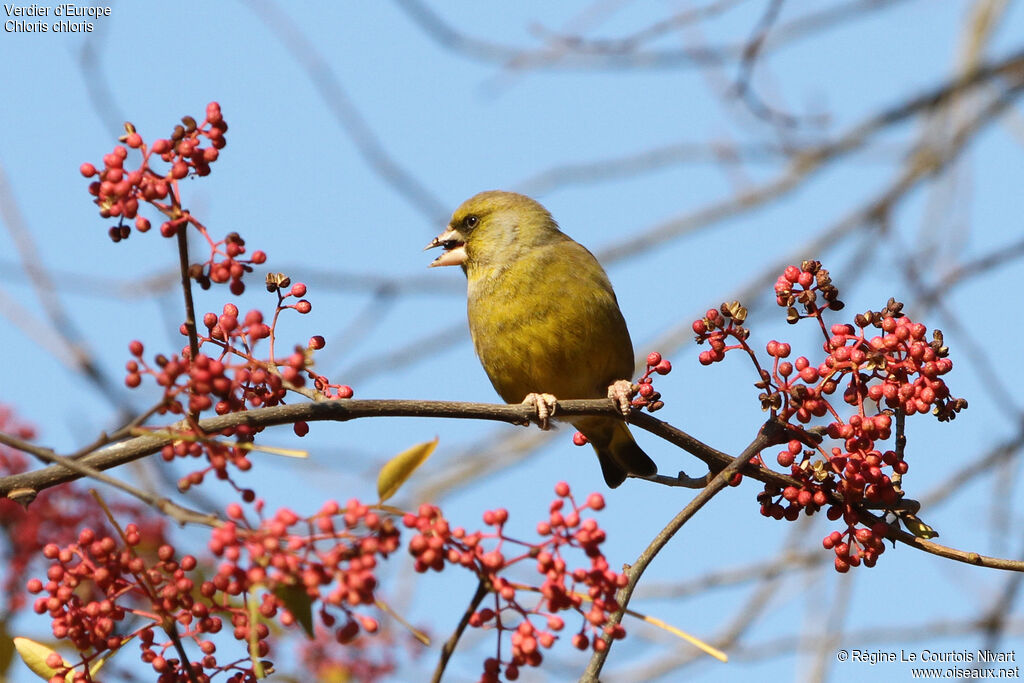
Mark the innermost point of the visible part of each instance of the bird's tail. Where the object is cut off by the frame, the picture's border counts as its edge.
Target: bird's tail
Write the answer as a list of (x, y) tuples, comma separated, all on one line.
[(617, 452)]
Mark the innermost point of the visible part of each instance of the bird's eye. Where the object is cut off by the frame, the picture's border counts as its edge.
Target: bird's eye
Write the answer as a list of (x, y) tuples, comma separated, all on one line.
[(470, 221)]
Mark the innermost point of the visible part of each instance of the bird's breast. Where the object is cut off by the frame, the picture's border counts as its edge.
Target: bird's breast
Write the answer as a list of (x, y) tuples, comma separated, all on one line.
[(552, 330)]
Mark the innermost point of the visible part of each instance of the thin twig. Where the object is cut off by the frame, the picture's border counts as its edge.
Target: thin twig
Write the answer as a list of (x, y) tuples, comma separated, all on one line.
[(186, 288), (330, 89), (805, 163), (167, 623), (62, 325), (448, 649), (179, 513), (768, 435)]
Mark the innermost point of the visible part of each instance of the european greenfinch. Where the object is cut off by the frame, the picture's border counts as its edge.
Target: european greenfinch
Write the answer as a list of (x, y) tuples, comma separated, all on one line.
[(544, 319)]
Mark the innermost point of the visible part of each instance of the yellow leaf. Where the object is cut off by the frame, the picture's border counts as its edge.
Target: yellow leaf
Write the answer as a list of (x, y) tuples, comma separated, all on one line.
[(706, 648), (34, 655), (917, 527), (254, 650), (98, 664), (416, 633), (399, 468)]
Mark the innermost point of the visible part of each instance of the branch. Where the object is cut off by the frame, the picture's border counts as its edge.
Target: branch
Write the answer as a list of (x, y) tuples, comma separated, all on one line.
[(168, 507), (806, 163), (482, 589), (26, 485), (129, 450), (351, 120), (186, 286), (75, 351), (577, 52), (768, 435)]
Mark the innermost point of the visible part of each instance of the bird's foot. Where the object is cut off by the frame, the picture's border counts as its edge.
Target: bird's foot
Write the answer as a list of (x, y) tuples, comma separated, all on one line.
[(621, 391), (546, 404)]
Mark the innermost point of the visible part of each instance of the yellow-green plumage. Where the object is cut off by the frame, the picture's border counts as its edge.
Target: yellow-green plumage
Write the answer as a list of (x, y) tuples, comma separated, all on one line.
[(543, 316)]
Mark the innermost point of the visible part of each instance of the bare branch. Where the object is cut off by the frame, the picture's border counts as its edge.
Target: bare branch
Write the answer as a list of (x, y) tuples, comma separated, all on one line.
[(345, 112)]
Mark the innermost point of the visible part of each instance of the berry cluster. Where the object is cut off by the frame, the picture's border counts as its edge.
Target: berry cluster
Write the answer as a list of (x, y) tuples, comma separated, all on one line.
[(328, 558), (228, 385), (118, 191), (97, 588), (645, 395), (436, 543), (224, 264), (716, 327), (188, 151), (233, 380), (55, 515), (318, 572), (883, 369)]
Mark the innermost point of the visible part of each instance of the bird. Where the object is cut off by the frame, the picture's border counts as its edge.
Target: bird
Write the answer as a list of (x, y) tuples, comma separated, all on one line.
[(544, 319)]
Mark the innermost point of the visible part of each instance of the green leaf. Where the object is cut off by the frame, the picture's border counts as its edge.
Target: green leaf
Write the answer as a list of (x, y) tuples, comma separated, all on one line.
[(34, 655), (399, 468), (298, 602)]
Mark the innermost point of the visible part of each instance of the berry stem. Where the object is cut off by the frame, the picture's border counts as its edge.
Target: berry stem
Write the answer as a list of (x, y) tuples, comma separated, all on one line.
[(186, 286)]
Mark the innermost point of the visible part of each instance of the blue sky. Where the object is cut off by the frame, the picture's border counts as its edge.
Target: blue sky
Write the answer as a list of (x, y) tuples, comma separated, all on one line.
[(295, 81)]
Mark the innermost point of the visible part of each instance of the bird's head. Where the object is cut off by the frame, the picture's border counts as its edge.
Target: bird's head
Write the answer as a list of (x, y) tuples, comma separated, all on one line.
[(491, 228)]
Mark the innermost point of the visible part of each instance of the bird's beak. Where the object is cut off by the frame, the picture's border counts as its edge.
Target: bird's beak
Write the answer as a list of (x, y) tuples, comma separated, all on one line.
[(454, 248)]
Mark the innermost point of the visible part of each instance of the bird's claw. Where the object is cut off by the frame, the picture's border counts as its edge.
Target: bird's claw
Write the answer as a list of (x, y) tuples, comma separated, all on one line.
[(545, 404), (621, 391)]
